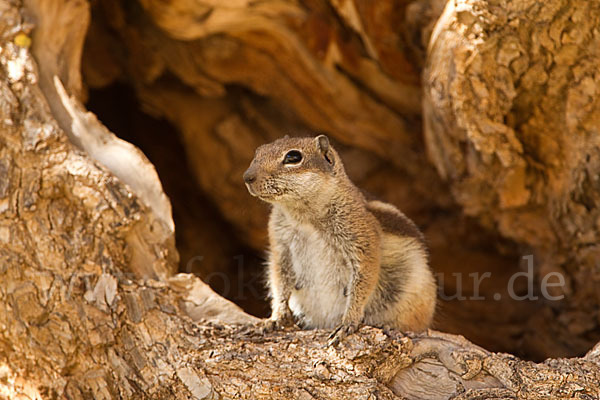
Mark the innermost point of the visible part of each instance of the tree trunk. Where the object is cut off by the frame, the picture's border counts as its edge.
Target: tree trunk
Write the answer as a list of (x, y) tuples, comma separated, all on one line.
[(92, 306), (511, 120)]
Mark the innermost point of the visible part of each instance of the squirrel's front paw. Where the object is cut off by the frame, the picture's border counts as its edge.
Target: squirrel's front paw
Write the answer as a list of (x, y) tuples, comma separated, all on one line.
[(276, 323), (268, 325), (341, 332)]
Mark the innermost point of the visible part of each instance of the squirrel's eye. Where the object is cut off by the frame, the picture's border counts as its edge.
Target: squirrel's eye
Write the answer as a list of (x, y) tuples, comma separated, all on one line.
[(292, 157)]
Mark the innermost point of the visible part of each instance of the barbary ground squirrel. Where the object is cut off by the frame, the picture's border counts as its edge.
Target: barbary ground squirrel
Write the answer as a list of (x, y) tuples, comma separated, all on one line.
[(336, 259)]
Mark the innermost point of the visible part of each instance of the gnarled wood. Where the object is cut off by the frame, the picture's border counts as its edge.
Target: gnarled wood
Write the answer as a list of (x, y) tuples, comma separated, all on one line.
[(511, 110), (91, 308)]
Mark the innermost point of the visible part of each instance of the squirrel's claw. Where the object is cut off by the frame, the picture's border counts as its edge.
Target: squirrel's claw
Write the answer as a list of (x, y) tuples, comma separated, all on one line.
[(340, 332)]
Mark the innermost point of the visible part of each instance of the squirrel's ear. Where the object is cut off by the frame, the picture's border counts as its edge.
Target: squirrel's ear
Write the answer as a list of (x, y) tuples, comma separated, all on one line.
[(322, 143), (323, 146)]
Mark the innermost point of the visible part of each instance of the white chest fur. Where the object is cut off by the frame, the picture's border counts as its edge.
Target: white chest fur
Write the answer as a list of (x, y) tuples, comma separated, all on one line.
[(322, 274)]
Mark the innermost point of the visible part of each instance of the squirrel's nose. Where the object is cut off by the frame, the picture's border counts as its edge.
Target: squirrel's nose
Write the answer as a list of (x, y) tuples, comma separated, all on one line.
[(249, 176)]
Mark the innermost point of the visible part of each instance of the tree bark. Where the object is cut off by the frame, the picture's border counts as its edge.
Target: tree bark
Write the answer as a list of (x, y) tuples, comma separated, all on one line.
[(511, 120), (91, 307)]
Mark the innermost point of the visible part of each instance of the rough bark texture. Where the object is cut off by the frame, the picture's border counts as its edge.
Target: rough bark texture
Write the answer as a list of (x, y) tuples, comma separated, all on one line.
[(90, 305), (512, 121)]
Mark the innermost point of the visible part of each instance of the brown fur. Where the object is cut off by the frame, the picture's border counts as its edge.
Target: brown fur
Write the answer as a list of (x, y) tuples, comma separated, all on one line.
[(336, 259)]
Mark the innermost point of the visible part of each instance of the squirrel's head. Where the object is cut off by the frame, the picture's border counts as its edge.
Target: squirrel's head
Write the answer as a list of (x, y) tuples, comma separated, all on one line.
[(292, 169)]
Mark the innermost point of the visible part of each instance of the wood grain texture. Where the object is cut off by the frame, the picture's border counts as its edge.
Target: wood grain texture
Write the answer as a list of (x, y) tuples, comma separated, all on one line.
[(76, 321), (511, 120)]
